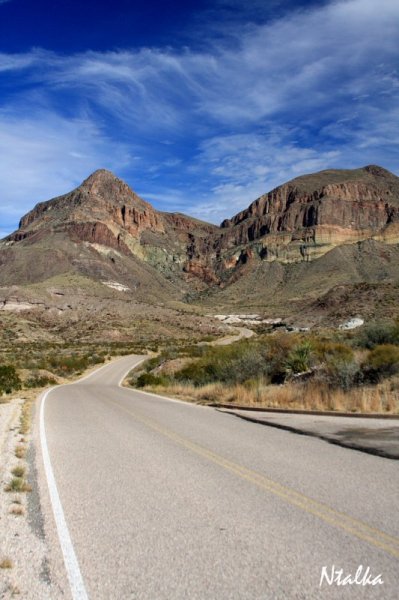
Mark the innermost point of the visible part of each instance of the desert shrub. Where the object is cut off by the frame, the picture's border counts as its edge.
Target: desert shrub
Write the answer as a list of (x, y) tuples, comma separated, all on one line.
[(382, 361), (197, 373), (149, 379), (343, 374), (154, 362), (333, 351), (9, 379), (208, 338), (299, 358), (378, 333), (72, 364), (248, 363), (338, 367), (69, 363), (228, 364), (278, 349), (265, 358), (194, 351), (252, 364), (35, 381), (165, 355), (96, 358)]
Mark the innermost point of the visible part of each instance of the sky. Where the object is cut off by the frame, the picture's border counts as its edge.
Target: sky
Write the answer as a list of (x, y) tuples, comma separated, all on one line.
[(200, 106)]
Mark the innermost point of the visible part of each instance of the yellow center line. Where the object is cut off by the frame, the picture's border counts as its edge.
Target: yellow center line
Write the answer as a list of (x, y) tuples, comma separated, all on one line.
[(331, 516)]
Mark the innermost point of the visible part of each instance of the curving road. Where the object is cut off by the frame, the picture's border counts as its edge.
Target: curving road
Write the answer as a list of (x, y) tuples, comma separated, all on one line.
[(166, 501)]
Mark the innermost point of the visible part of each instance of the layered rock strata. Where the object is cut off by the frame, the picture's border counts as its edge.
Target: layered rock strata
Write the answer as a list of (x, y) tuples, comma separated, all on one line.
[(298, 221)]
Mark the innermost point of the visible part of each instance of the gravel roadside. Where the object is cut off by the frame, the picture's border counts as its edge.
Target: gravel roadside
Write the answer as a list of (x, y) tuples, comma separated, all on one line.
[(24, 554)]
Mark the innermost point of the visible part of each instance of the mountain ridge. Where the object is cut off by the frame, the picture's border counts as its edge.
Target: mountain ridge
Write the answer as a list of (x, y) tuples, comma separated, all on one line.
[(107, 179), (104, 232)]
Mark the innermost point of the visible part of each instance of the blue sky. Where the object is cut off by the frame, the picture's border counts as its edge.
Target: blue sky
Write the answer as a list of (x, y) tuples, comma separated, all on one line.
[(200, 106)]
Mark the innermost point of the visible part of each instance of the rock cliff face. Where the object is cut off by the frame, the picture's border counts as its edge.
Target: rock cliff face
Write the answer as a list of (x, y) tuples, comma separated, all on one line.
[(296, 222), (310, 215), (102, 198), (106, 213)]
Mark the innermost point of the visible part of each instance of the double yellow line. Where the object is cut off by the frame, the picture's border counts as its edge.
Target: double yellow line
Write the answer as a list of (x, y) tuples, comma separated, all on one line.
[(333, 517)]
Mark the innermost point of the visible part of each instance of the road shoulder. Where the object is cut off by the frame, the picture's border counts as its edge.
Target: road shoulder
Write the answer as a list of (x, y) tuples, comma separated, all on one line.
[(24, 552), (379, 437)]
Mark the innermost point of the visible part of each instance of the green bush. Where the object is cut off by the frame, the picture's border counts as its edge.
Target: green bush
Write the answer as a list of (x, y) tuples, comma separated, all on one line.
[(382, 361), (344, 374), (148, 379), (9, 379), (333, 351), (227, 364), (263, 358), (199, 373), (299, 358), (338, 366), (152, 363), (194, 351), (69, 363), (278, 350), (36, 381), (378, 333), (156, 361)]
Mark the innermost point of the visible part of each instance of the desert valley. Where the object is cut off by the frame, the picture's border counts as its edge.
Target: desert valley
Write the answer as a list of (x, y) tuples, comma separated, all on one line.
[(310, 269)]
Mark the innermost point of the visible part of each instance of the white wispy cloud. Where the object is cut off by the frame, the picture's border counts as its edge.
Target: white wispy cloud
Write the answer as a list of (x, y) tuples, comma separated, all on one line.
[(246, 166), (316, 88), (298, 61), (37, 58), (44, 156)]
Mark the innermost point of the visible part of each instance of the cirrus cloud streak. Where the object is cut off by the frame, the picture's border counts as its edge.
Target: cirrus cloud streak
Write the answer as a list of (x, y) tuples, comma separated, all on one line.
[(317, 88)]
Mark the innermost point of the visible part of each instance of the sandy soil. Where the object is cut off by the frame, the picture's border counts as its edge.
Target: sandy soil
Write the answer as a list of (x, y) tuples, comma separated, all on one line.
[(23, 547)]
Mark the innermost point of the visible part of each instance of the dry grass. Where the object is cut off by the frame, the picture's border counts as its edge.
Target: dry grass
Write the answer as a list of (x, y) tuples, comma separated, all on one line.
[(6, 563), (20, 451), (25, 419), (19, 471), (18, 484), (383, 398), (17, 510)]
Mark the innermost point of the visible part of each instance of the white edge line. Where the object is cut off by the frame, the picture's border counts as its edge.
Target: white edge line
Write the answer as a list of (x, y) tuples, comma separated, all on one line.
[(128, 371), (167, 398), (76, 583), (75, 578), (95, 372)]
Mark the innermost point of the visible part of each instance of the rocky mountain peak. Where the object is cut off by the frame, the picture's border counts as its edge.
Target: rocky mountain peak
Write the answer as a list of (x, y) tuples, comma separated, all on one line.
[(378, 171), (102, 179), (104, 185), (98, 198), (100, 175)]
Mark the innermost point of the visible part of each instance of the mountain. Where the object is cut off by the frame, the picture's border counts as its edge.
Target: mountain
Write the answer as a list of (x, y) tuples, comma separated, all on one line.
[(100, 263), (284, 252), (102, 229), (310, 215)]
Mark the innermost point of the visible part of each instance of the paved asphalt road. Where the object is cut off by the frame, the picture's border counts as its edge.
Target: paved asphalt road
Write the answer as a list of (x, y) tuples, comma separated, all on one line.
[(165, 500)]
